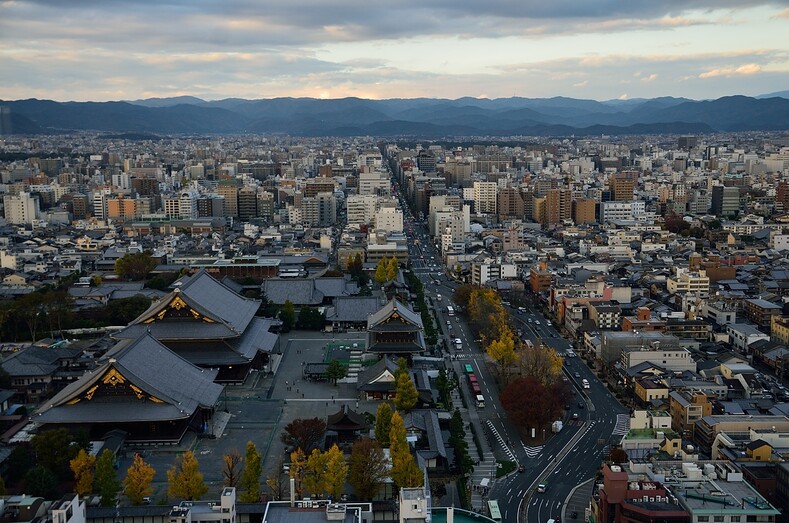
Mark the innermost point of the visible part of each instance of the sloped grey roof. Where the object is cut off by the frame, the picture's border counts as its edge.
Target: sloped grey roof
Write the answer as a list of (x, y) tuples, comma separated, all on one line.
[(37, 361), (257, 338), (395, 306), (375, 370), (155, 370), (334, 286), (354, 308), (230, 312), (298, 291)]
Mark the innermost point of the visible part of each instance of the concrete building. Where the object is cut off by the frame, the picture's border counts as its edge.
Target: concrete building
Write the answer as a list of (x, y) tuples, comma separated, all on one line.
[(21, 209), (741, 335), (613, 344), (389, 219), (583, 211), (558, 206), (229, 190), (485, 197), (725, 201), (622, 186), (361, 209), (615, 211), (674, 359), (686, 281)]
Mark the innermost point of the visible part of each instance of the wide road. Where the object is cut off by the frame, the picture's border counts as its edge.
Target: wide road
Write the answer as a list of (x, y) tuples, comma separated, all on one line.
[(564, 460)]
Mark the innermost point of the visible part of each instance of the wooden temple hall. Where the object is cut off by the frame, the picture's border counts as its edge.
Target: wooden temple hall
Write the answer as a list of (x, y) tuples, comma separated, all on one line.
[(210, 325), (141, 388), (395, 330)]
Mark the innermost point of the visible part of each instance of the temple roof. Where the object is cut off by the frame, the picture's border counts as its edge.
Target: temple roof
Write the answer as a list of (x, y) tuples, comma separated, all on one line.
[(395, 309), (199, 308), (139, 380), (346, 420)]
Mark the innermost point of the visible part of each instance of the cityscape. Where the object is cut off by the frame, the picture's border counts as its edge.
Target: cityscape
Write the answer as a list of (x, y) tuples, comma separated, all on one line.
[(416, 262)]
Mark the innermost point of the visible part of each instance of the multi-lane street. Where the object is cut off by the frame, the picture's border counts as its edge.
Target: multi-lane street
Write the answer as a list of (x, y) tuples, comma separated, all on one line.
[(559, 461)]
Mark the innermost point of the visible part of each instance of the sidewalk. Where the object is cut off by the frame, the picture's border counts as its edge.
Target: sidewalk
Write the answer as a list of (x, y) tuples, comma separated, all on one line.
[(578, 501)]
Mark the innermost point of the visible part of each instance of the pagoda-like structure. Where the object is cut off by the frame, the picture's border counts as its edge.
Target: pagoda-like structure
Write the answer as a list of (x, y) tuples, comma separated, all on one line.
[(210, 325), (395, 330), (141, 388)]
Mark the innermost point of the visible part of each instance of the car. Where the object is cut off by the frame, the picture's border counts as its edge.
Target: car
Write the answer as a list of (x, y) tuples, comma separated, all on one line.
[(449, 322), (537, 322), (574, 514), (578, 375), (575, 415), (580, 404), (146, 500), (521, 469), (567, 407)]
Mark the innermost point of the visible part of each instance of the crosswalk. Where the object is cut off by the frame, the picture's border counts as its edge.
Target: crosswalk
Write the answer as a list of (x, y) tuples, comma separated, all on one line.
[(500, 439), (533, 452), (622, 425)]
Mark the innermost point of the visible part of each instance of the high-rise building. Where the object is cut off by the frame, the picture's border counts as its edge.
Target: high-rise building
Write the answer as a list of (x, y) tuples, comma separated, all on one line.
[(360, 209), (21, 209), (725, 201), (426, 162), (622, 186), (389, 219), (265, 204), (583, 211), (485, 197), (229, 189), (558, 206), (510, 204), (247, 203)]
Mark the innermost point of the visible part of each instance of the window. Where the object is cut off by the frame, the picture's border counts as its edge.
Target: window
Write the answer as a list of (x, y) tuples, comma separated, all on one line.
[(718, 519), (703, 519), (735, 519)]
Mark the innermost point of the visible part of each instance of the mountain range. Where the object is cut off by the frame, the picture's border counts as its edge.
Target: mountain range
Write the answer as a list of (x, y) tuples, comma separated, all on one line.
[(420, 117)]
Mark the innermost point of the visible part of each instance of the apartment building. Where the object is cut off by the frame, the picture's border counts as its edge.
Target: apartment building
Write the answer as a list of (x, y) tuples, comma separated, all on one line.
[(485, 197), (686, 281), (760, 312)]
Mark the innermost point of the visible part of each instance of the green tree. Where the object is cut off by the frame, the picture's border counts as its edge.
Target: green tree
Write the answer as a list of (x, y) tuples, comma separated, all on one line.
[(336, 472), (391, 268), (383, 423), (137, 483), (369, 468), (82, 467), (135, 266), (407, 395), (287, 316), (380, 272), (335, 371), (41, 482), (310, 318), (107, 484), (54, 450), (250, 479)]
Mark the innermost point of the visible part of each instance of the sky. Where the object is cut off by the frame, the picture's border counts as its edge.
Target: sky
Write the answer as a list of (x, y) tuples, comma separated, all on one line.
[(100, 50)]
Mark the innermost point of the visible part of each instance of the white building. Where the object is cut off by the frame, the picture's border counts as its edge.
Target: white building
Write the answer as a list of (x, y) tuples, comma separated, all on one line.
[(361, 208), (622, 211), (376, 183), (21, 209), (485, 197), (741, 335), (389, 219)]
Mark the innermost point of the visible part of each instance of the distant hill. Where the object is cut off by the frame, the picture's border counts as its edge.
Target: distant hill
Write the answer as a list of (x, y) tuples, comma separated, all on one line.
[(778, 94), (419, 117)]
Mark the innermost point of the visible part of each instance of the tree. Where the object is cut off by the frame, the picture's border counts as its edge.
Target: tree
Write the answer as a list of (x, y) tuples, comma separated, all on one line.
[(391, 268), (107, 485), (380, 272), (542, 363), (405, 472), (185, 479), (21, 460), (502, 350), (369, 468), (40, 481), (298, 469), (250, 479), (397, 435), (407, 394), (314, 475), (3, 490), (336, 472), (310, 318), (231, 463), (335, 371), (82, 466), (287, 316), (546, 402), (137, 483), (275, 484), (304, 433), (54, 450), (135, 266), (355, 265), (383, 421), (124, 310), (462, 295)]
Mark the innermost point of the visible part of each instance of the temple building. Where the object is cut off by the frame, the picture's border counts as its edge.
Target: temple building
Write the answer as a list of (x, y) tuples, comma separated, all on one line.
[(395, 330), (208, 324), (141, 388)]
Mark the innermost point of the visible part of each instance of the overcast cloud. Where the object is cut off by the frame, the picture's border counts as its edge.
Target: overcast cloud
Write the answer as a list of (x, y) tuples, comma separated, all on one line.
[(602, 49)]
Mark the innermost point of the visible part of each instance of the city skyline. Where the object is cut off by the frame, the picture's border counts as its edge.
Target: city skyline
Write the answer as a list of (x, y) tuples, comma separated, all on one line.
[(100, 51)]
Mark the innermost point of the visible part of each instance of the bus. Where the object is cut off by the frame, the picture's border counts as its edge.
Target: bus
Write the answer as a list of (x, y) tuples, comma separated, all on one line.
[(469, 369), (493, 508), (450, 310), (474, 384)]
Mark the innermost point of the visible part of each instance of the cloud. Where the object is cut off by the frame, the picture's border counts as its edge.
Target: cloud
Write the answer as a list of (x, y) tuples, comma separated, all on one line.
[(746, 69), (650, 78), (781, 14), (581, 84), (622, 96)]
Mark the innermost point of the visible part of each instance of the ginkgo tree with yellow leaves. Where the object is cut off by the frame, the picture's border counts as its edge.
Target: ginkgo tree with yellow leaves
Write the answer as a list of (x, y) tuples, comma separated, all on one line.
[(137, 483), (185, 479), (83, 468)]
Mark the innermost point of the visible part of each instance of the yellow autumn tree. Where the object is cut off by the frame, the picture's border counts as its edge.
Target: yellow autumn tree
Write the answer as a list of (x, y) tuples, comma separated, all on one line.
[(380, 272), (336, 472), (185, 479), (391, 268), (405, 472), (315, 473), (82, 467), (137, 483), (397, 434), (298, 469), (540, 362), (502, 350)]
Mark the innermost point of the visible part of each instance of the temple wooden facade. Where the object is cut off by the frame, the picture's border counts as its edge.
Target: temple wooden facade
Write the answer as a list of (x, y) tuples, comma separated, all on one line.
[(209, 325), (141, 388), (395, 330)]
